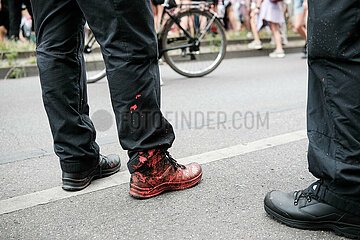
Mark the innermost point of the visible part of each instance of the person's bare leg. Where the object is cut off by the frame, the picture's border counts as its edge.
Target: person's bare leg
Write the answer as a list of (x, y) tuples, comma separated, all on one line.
[(247, 22), (299, 24), (158, 11), (234, 23), (275, 30), (254, 29), (3, 33)]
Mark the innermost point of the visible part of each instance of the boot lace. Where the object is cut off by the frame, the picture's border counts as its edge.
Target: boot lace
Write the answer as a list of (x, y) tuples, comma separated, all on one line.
[(301, 194), (173, 161)]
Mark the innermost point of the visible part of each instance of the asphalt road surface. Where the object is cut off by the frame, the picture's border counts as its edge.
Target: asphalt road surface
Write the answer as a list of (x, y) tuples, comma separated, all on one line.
[(238, 106)]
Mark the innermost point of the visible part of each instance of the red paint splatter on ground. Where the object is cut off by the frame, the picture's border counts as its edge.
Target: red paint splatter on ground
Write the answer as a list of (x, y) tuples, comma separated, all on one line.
[(137, 96), (133, 107)]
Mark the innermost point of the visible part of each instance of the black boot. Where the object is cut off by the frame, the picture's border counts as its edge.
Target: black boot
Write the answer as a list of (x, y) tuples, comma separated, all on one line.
[(301, 210), (107, 166)]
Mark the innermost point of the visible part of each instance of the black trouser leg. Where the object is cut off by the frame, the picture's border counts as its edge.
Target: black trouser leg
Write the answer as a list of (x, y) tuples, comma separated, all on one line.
[(334, 101), (59, 28), (125, 31)]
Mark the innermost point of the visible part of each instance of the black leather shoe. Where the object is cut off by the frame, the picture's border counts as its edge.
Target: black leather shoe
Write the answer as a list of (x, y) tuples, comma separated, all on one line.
[(300, 210), (108, 165)]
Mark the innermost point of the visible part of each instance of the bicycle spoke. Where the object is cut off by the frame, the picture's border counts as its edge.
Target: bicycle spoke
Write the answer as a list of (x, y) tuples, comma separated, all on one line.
[(199, 54)]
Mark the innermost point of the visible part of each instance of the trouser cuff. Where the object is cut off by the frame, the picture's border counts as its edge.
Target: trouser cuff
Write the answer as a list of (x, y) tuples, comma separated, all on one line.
[(143, 161), (323, 193), (76, 166)]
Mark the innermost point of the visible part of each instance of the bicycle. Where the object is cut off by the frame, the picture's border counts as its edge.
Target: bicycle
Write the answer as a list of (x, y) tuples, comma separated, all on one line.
[(191, 40)]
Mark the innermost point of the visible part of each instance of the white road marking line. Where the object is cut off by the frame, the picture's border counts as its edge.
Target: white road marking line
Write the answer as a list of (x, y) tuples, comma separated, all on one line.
[(54, 194)]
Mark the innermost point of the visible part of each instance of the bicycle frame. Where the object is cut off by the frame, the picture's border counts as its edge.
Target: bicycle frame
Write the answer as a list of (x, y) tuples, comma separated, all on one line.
[(193, 42)]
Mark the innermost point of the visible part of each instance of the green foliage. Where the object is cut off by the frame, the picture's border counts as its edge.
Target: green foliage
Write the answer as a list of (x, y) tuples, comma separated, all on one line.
[(31, 61), (17, 72), (11, 57), (10, 51), (8, 46)]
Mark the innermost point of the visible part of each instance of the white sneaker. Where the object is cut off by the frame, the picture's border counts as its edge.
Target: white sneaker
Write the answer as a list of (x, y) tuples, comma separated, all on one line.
[(277, 54), (255, 45)]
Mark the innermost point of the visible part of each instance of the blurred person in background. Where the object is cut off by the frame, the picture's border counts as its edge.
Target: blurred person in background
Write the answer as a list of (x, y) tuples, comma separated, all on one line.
[(225, 11), (256, 43), (241, 14), (4, 19), (267, 12), (250, 5), (15, 15), (157, 10), (282, 26), (300, 16), (26, 25)]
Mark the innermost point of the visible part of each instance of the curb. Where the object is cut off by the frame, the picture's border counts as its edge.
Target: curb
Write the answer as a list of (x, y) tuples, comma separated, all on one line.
[(32, 70), (20, 54), (260, 53), (28, 54), (26, 71)]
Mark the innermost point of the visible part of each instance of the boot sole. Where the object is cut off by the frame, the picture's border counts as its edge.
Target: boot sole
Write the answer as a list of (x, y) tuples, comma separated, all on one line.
[(143, 193), (341, 229), (70, 184)]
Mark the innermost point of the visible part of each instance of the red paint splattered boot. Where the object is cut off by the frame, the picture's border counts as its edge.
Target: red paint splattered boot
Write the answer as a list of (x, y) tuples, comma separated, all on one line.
[(165, 175)]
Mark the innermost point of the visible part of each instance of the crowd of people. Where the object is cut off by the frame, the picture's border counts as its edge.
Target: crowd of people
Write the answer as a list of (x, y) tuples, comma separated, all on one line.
[(272, 14), (251, 16), (247, 16)]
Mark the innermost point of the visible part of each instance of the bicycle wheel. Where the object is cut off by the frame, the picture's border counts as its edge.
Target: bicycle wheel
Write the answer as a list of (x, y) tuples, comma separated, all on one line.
[(94, 77), (193, 43)]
